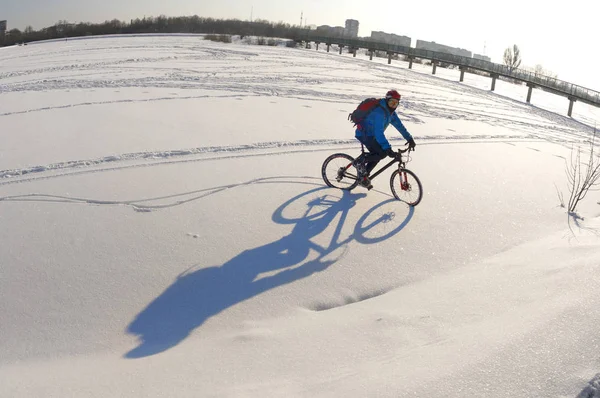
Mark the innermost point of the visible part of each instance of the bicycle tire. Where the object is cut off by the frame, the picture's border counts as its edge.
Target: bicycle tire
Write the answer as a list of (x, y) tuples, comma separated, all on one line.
[(406, 189), (337, 172)]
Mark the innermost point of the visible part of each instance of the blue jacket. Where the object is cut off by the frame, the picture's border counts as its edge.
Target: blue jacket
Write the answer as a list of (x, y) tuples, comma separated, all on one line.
[(377, 121)]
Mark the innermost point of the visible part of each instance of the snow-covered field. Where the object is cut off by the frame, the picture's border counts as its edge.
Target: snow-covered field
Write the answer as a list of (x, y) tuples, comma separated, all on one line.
[(165, 230)]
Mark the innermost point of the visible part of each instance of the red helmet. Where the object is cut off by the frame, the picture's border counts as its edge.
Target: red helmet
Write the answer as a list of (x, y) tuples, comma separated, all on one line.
[(392, 94)]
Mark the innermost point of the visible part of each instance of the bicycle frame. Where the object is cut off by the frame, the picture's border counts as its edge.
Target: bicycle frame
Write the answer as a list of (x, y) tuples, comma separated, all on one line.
[(384, 168)]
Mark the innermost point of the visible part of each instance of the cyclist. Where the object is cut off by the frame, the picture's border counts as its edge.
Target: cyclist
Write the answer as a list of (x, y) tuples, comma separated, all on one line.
[(370, 133)]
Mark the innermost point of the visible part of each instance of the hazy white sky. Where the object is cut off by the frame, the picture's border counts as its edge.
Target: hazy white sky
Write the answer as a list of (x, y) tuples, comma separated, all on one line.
[(544, 31)]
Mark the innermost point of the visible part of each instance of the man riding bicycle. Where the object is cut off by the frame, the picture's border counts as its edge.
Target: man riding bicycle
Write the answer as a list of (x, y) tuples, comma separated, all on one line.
[(370, 132)]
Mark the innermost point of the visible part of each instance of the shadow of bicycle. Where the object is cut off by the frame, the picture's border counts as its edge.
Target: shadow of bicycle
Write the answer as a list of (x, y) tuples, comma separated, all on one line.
[(592, 390), (199, 294)]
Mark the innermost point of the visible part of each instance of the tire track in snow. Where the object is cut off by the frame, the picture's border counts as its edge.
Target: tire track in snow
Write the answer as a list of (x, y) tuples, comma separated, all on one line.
[(149, 158), (163, 202), (49, 108), (164, 155)]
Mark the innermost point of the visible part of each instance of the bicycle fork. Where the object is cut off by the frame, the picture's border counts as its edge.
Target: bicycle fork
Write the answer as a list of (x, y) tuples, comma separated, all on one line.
[(404, 181), (404, 185)]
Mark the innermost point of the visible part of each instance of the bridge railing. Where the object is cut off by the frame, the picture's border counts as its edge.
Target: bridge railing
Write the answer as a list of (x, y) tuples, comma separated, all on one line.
[(551, 83)]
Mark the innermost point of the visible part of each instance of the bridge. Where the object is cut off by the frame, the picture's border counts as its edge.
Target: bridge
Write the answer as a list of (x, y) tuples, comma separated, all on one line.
[(571, 91)]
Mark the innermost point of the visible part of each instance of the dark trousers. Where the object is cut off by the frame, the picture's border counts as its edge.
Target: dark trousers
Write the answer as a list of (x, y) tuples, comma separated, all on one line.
[(375, 154)]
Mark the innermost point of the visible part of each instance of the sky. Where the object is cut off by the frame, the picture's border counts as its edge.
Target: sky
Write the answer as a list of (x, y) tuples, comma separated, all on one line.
[(153, 245), (544, 32)]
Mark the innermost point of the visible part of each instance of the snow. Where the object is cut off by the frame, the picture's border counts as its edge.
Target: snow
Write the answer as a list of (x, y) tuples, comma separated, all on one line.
[(166, 231)]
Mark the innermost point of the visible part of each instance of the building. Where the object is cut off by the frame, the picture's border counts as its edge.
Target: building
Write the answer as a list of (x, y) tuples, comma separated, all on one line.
[(433, 46), (482, 57), (324, 30), (331, 30), (2, 27), (352, 27), (338, 31), (390, 38)]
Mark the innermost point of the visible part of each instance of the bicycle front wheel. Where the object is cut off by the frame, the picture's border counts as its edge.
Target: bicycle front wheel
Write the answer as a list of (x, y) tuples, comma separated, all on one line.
[(406, 187), (338, 172)]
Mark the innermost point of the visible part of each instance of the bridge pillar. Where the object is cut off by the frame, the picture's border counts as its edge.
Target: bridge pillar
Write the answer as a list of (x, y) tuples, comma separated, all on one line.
[(531, 86), (434, 67), (389, 58), (354, 52), (341, 48), (317, 43), (462, 73), (370, 55), (494, 77), (571, 101), (328, 46), (410, 61)]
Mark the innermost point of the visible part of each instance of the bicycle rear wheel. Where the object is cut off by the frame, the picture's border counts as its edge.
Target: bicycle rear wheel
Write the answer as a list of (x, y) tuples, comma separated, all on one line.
[(338, 172), (406, 187)]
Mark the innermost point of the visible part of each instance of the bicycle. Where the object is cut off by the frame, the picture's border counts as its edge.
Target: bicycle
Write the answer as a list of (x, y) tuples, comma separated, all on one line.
[(339, 172)]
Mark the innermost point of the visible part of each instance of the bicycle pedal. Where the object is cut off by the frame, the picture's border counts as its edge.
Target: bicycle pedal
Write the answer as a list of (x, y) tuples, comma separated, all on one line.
[(367, 185)]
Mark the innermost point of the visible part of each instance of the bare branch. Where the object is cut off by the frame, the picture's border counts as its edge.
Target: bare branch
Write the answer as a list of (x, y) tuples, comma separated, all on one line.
[(582, 176)]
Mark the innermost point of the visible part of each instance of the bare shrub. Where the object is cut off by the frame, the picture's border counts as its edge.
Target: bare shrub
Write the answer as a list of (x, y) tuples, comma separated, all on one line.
[(583, 172)]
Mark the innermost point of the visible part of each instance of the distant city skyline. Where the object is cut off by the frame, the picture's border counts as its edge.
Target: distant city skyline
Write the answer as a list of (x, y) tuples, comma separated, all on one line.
[(544, 33)]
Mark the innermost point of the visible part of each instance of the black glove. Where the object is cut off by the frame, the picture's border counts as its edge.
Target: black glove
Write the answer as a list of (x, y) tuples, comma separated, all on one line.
[(390, 152), (411, 144)]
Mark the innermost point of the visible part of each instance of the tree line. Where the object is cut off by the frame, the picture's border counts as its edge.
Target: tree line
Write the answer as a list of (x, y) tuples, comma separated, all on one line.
[(189, 24), (161, 24)]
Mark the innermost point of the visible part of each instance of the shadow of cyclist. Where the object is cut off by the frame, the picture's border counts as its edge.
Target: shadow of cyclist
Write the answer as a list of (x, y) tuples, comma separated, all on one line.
[(200, 294)]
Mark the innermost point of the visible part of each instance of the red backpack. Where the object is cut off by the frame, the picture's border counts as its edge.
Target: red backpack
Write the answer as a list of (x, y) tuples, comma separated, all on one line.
[(363, 110)]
